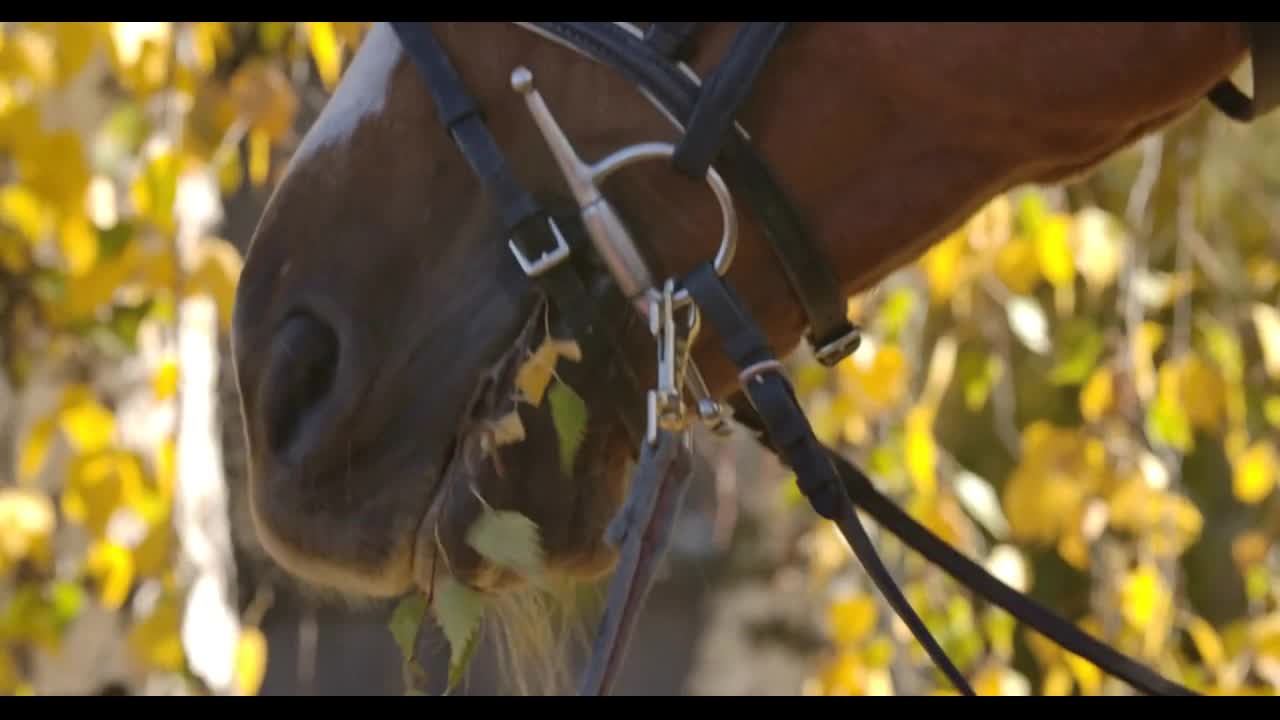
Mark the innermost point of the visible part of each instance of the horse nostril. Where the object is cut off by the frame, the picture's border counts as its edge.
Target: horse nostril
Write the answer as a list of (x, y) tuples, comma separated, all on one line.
[(304, 360)]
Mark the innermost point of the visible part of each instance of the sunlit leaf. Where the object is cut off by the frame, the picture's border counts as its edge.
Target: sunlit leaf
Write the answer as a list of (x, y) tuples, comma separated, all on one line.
[(535, 374), (1254, 473), (111, 565), (265, 98), (922, 452), (1057, 264), (1144, 598), (508, 539), (1097, 395), (852, 618), (1028, 323), (1100, 248), (87, 424), (1249, 549), (943, 266), (326, 51), (1266, 323), (251, 661), (259, 156), (1077, 348), (20, 207), (156, 640), (27, 521), (1207, 642), (35, 448)]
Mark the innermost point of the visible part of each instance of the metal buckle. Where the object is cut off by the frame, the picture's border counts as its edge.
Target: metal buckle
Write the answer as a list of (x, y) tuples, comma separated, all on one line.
[(842, 347), (549, 259)]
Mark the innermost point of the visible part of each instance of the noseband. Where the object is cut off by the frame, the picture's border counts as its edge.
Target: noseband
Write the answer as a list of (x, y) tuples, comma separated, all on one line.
[(714, 149)]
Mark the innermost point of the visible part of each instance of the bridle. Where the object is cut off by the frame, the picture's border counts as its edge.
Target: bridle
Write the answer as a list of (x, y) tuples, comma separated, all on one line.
[(713, 148)]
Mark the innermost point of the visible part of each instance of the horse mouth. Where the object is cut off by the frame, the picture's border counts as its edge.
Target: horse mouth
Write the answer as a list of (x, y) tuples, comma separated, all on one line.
[(464, 463)]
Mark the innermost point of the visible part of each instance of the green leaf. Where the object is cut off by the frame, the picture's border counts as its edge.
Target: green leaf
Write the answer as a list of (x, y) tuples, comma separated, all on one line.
[(406, 622), (458, 610), (569, 415), (457, 668), (68, 599), (508, 539), (1078, 347)]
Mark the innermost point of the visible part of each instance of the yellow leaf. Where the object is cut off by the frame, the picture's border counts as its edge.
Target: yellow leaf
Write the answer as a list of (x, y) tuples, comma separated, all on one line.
[(1017, 267), (1208, 644), (1087, 675), (112, 566), (27, 521), (846, 675), (1266, 322), (76, 42), (326, 51), (921, 452), (1144, 598), (1057, 681), (1271, 410), (36, 448), (944, 267), (1146, 341), (251, 661), (1097, 395), (154, 189), (264, 96), (55, 168), (87, 425), (535, 375), (1203, 391), (10, 677), (156, 642), (1249, 549), (259, 156), (1254, 473), (152, 557), (79, 244), (852, 618), (1052, 251), (97, 485), (1099, 248), (164, 383), (24, 210), (875, 379), (216, 273), (140, 55)]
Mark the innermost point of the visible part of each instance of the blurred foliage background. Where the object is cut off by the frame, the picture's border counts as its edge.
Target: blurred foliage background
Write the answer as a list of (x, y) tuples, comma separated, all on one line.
[(1079, 389)]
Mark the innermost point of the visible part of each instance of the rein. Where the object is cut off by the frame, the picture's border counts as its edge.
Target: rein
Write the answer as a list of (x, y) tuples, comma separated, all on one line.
[(715, 149)]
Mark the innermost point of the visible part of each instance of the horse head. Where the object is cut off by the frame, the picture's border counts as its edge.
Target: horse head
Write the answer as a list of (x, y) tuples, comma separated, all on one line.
[(382, 320)]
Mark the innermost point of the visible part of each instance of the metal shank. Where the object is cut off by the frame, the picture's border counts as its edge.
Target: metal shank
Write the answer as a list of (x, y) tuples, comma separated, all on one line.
[(612, 240)]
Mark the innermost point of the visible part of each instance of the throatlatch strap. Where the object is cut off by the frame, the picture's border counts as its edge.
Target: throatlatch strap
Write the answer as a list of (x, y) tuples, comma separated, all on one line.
[(1264, 46), (790, 432), (525, 221), (722, 94)]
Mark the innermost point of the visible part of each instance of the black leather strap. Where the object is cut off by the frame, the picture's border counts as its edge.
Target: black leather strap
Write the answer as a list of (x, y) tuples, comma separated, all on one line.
[(526, 223), (808, 272), (889, 516), (670, 39), (1264, 46), (790, 432), (723, 92)]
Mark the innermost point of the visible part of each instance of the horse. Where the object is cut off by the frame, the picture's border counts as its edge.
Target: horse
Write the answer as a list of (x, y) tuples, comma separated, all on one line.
[(384, 325)]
